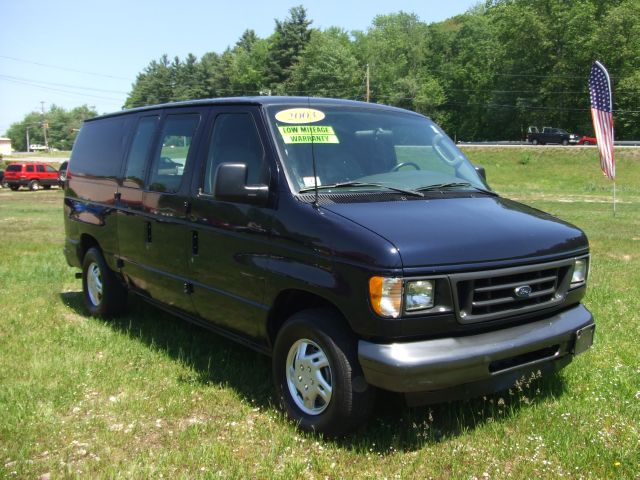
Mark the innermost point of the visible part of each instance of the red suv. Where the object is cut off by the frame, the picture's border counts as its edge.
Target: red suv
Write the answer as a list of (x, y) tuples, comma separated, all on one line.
[(30, 174)]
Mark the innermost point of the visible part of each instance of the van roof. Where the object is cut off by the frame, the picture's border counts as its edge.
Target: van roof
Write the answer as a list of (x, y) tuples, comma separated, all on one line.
[(258, 100)]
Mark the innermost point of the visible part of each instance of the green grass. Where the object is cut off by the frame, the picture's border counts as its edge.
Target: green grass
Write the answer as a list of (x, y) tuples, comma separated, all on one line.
[(148, 395)]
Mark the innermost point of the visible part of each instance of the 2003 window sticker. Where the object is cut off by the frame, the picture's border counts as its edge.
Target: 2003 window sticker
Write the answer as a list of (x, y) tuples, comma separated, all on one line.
[(299, 115)]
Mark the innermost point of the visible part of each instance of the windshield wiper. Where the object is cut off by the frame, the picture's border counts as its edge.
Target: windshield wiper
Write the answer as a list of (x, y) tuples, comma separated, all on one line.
[(362, 184), (453, 185)]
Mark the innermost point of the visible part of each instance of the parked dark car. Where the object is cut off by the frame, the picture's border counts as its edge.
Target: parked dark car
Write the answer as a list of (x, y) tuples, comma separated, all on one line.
[(550, 135), (33, 175), (352, 242), (2, 178)]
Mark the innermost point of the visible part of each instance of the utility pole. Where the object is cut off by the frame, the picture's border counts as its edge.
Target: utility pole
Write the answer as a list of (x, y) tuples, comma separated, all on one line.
[(368, 88), (28, 139), (44, 128)]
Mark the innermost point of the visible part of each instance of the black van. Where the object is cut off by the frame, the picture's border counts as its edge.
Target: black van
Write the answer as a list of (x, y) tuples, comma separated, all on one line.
[(352, 242)]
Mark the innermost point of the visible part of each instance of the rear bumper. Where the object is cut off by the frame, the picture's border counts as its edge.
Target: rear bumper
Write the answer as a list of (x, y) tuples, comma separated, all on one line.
[(449, 368)]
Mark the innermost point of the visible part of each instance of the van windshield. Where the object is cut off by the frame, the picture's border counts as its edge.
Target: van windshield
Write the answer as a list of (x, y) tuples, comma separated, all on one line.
[(361, 149)]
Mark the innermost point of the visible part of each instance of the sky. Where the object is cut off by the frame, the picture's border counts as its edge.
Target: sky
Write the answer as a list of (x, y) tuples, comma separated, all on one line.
[(75, 52)]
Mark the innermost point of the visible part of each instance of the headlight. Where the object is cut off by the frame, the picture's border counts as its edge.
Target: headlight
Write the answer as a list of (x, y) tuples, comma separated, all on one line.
[(386, 296), (579, 276), (418, 295)]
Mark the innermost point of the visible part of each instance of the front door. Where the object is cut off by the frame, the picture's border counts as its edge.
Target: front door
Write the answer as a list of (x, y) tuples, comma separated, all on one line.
[(229, 242)]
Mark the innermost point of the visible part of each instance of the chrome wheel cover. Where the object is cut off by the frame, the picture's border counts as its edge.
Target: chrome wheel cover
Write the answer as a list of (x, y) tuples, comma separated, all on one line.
[(309, 377), (94, 284)]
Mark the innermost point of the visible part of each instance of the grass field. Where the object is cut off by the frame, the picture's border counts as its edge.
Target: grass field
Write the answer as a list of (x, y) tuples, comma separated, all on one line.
[(150, 396)]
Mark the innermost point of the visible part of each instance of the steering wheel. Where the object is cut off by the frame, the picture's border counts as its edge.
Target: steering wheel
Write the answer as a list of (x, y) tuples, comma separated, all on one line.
[(405, 164)]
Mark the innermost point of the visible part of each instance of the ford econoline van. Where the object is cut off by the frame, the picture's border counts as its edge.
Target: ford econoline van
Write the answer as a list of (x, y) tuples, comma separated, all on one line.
[(353, 243)]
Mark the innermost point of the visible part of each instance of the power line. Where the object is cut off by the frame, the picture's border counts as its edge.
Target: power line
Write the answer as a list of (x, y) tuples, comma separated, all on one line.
[(61, 84), (58, 90), (63, 68)]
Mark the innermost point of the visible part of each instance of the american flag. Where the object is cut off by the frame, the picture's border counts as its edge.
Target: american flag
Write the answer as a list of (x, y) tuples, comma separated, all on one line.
[(601, 112)]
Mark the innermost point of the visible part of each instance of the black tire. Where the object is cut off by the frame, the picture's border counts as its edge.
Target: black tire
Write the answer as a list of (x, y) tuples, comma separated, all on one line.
[(109, 298), (587, 142), (534, 141), (34, 185), (47, 187), (15, 188), (351, 397), (565, 142)]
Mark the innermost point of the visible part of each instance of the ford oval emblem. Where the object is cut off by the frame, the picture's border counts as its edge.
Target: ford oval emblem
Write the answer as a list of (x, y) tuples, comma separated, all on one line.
[(523, 291)]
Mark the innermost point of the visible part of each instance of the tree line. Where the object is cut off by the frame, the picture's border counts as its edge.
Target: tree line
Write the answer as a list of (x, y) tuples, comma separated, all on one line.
[(486, 74), (61, 126)]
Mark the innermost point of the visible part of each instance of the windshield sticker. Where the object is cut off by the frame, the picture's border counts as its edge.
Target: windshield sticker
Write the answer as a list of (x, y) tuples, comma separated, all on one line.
[(308, 134), (310, 182), (299, 115)]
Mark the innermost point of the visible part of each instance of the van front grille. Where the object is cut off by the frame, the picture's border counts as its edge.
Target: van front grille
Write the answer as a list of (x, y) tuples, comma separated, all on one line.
[(490, 295)]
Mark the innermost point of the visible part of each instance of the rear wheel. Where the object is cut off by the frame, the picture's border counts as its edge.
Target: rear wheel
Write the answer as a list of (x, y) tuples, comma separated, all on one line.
[(318, 380), (534, 141), (565, 142), (34, 185), (103, 294), (587, 142)]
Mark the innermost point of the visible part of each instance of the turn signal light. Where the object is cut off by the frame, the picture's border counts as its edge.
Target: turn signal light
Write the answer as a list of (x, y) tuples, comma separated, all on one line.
[(386, 296)]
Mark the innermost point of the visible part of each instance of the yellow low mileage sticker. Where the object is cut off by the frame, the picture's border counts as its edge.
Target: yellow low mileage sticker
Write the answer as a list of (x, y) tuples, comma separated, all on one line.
[(308, 134)]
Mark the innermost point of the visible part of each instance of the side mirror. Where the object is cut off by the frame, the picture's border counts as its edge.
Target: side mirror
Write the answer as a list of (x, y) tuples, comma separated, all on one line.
[(481, 171), (231, 185)]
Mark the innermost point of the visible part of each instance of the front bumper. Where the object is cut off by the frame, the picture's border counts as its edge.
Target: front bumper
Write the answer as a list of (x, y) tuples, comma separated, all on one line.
[(449, 368)]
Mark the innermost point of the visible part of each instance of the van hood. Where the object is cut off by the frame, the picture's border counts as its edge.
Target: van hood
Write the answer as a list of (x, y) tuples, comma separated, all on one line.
[(445, 231)]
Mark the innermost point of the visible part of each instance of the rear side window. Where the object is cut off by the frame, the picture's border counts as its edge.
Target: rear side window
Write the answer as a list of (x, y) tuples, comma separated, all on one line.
[(30, 168), (171, 159), (99, 148), (14, 168), (139, 151)]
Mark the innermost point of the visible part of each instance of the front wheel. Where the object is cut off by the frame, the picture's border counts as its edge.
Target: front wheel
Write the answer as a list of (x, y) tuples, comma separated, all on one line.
[(34, 185), (318, 380), (104, 295), (565, 142)]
